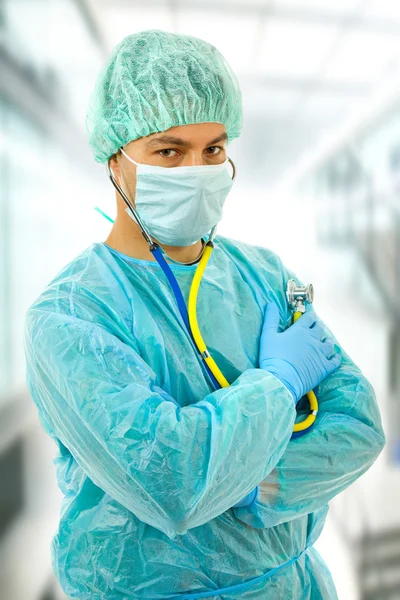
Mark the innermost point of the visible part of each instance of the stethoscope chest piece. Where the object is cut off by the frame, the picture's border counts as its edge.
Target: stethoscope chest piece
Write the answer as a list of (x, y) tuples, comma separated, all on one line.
[(297, 295)]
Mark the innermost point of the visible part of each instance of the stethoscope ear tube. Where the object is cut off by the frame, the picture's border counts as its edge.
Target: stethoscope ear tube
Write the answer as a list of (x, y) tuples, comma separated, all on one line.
[(233, 167), (124, 197)]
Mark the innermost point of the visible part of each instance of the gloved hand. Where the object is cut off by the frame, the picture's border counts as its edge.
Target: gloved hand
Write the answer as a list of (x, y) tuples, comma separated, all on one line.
[(247, 500), (297, 356)]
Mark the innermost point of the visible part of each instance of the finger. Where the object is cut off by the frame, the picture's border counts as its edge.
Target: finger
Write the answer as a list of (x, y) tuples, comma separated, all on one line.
[(327, 349), (271, 317), (336, 359), (318, 331)]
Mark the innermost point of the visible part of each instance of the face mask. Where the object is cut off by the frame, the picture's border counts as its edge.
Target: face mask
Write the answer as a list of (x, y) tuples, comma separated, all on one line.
[(180, 205)]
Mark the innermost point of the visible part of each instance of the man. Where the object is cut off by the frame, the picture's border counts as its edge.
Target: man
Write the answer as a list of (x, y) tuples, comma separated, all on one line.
[(175, 488)]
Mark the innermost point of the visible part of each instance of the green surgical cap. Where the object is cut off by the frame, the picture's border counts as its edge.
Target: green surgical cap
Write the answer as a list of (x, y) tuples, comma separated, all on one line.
[(155, 80)]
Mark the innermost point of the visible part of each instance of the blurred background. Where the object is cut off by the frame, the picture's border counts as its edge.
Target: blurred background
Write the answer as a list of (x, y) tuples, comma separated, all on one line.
[(318, 182)]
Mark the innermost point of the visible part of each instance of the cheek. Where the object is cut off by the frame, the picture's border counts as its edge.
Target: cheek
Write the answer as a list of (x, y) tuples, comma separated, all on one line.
[(128, 180)]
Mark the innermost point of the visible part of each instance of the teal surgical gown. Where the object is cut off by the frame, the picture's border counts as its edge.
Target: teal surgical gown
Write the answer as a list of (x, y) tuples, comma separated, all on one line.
[(151, 458)]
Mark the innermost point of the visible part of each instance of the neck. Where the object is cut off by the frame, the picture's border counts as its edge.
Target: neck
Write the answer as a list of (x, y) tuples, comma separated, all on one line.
[(126, 237)]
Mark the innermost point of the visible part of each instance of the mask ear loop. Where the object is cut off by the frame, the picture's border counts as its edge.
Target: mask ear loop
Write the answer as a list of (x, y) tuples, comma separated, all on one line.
[(129, 157)]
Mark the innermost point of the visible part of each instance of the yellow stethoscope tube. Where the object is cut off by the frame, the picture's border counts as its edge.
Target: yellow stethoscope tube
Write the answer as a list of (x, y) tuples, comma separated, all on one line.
[(192, 304), (311, 398)]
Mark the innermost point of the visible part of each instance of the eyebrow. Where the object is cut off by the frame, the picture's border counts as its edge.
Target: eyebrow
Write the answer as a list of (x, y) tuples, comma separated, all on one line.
[(167, 139)]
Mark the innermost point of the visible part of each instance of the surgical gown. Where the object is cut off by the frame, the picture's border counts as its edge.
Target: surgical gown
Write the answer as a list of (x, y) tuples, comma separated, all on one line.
[(151, 457)]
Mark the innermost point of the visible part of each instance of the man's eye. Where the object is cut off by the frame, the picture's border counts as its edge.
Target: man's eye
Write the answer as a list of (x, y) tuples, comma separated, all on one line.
[(166, 150), (219, 148)]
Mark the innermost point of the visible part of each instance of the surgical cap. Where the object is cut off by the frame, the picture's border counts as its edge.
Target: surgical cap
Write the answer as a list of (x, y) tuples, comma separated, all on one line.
[(155, 80)]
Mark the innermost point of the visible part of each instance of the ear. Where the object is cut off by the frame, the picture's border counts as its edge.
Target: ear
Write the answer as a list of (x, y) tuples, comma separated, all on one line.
[(114, 166)]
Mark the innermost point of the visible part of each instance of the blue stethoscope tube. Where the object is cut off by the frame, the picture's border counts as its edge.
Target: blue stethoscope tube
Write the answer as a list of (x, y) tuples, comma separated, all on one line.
[(181, 303)]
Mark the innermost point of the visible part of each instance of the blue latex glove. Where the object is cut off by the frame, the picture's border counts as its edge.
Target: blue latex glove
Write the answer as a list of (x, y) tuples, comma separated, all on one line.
[(297, 356), (247, 500)]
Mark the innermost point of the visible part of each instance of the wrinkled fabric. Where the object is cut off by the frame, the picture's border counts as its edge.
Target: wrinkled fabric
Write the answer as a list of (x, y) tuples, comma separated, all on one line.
[(249, 499), (151, 458), (155, 80)]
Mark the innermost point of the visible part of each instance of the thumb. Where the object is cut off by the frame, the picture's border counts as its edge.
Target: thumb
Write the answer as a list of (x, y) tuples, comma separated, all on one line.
[(271, 317)]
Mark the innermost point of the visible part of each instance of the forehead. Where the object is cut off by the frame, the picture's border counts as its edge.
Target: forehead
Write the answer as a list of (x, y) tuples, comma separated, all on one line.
[(197, 132)]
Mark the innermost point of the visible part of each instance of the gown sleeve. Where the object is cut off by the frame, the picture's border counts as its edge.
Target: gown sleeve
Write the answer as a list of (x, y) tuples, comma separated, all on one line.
[(175, 467), (345, 440)]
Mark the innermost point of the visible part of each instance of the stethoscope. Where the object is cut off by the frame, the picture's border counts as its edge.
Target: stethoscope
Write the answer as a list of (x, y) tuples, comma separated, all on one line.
[(296, 295)]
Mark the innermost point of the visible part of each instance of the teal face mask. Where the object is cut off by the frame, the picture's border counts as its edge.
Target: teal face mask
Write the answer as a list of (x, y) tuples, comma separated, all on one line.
[(180, 205)]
